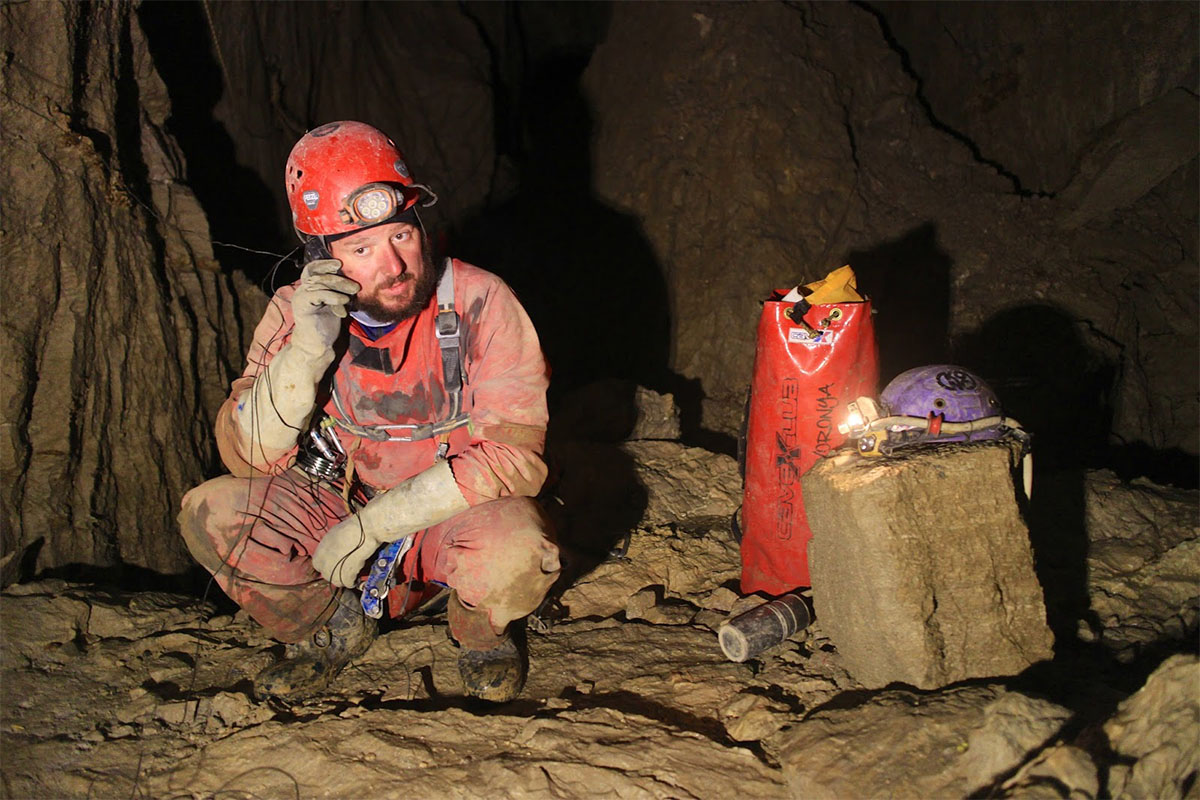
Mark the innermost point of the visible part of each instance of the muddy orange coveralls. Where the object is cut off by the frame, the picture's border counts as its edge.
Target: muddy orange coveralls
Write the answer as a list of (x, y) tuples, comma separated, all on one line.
[(256, 530)]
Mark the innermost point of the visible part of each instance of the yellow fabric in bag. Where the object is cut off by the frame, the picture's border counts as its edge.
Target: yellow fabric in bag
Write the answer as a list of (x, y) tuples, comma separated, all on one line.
[(839, 286)]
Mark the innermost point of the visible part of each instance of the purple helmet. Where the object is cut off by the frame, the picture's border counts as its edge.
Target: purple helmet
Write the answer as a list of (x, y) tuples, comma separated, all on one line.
[(941, 393)]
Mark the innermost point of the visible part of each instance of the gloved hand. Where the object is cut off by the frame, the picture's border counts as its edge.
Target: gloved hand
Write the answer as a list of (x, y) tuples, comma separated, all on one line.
[(319, 306), (274, 411), (425, 499)]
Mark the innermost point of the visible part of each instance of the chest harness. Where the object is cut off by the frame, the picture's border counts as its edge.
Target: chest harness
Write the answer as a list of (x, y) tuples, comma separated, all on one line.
[(321, 452)]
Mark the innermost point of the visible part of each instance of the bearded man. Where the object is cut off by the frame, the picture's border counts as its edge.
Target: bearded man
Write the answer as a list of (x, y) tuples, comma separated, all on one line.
[(386, 399)]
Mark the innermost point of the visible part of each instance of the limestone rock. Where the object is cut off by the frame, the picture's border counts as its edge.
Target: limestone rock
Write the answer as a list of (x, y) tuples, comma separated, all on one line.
[(1059, 772), (921, 566), (1143, 561), (750, 717), (1157, 734), (1133, 157), (36, 625), (631, 709), (139, 615), (616, 410), (121, 333), (685, 483), (607, 490), (439, 113), (902, 744), (658, 416), (1012, 725), (1009, 99), (454, 753), (773, 159), (677, 565)]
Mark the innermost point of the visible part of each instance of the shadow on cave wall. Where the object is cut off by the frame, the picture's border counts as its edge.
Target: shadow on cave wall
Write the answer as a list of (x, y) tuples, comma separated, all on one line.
[(1060, 390), (586, 274), (908, 281), (584, 271), (241, 209), (1048, 379)]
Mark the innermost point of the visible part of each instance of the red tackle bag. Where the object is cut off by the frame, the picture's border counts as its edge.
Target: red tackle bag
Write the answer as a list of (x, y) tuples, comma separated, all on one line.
[(804, 375)]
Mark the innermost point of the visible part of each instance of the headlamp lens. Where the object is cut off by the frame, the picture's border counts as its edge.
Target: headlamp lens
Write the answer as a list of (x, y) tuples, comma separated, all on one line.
[(854, 420), (374, 205)]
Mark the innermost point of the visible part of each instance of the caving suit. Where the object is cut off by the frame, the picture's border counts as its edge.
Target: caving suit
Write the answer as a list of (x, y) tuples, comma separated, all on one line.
[(256, 529)]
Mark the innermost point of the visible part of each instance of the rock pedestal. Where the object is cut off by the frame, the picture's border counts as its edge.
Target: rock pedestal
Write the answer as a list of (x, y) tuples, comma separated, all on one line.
[(921, 566)]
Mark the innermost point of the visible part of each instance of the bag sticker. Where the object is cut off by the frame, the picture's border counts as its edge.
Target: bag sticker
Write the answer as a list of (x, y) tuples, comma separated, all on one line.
[(824, 338), (957, 380), (311, 198)]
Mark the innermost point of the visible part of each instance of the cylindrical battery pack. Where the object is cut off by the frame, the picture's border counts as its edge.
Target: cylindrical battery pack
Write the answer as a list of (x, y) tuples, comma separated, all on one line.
[(748, 634)]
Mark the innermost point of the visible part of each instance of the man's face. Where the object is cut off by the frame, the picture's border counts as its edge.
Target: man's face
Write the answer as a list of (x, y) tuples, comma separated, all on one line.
[(394, 268)]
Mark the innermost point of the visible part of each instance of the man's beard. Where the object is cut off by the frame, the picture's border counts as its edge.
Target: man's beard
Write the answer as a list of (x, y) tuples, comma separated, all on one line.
[(423, 290)]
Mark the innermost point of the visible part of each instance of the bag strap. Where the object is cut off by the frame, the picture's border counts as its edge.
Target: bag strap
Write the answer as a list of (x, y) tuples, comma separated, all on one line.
[(449, 339), (448, 333)]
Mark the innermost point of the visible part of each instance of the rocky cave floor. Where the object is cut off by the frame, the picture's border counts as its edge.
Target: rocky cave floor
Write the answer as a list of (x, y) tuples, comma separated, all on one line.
[(147, 694)]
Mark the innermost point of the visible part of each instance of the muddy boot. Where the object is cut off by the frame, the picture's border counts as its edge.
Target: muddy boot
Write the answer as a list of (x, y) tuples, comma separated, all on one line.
[(490, 664), (310, 665)]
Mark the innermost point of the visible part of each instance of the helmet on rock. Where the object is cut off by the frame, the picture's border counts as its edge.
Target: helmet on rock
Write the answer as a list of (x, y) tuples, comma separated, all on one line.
[(343, 176), (942, 391), (941, 403)]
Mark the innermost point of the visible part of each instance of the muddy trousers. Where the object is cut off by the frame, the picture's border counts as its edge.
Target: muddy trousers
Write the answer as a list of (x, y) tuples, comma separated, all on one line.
[(257, 536)]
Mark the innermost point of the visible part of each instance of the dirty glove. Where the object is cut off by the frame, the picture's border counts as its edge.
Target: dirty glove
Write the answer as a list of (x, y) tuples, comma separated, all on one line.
[(319, 306), (423, 500), (277, 407)]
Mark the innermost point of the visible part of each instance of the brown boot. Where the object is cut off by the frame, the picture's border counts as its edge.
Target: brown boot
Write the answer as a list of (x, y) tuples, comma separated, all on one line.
[(490, 664), (310, 665)]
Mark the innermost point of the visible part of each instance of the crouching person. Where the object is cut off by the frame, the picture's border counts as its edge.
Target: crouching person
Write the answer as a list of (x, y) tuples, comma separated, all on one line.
[(385, 398)]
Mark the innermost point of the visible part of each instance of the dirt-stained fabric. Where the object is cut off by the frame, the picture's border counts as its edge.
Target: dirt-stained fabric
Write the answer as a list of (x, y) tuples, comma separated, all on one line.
[(256, 530), (257, 536), (397, 379)]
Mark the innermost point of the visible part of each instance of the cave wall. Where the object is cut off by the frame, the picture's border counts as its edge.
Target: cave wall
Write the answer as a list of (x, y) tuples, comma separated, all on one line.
[(762, 145), (956, 154), (1016, 186), (120, 332), (445, 80), (1031, 84), (421, 73)]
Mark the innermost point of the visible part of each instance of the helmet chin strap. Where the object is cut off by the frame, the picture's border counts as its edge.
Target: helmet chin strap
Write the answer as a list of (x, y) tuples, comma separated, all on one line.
[(367, 319)]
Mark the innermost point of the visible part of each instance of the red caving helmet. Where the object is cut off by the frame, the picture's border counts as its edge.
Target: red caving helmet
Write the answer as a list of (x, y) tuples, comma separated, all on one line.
[(348, 175)]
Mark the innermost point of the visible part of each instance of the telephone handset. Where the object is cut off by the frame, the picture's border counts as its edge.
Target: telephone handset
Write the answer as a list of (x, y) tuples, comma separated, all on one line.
[(315, 250)]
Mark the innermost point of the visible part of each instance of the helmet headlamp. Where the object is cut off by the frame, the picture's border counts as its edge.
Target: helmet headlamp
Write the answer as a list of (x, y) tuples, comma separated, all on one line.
[(859, 416), (371, 203)]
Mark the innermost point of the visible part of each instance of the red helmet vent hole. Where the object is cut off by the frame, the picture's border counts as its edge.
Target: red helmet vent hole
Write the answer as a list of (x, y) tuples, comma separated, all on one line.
[(299, 174)]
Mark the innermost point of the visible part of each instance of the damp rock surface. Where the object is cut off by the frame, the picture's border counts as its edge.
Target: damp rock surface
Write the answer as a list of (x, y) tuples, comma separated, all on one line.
[(156, 702), (120, 330), (116, 693), (1143, 561), (1156, 732), (904, 744)]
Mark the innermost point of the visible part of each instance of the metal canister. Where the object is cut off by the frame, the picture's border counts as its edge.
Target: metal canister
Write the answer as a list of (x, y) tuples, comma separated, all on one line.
[(752, 632)]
